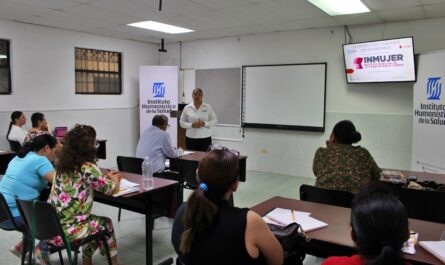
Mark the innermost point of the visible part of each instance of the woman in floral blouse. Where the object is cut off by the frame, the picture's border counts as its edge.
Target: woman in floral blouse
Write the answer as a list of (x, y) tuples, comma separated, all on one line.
[(76, 179), (342, 166)]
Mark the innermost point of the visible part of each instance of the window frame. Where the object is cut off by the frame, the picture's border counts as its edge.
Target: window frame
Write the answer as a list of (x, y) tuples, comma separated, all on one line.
[(8, 54), (79, 70)]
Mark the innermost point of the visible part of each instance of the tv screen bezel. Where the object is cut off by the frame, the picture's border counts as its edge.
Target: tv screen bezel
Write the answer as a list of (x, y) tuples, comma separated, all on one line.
[(379, 82)]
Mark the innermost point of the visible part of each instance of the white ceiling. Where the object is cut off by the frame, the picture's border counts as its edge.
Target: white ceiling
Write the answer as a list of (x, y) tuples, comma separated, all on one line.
[(209, 18)]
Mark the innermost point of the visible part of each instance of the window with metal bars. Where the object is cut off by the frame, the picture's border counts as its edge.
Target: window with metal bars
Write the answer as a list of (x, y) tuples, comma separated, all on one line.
[(98, 72), (5, 68)]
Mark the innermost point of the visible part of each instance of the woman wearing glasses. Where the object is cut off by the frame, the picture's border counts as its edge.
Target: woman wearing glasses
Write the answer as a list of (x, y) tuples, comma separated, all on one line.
[(77, 177), (197, 118), (207, 230)]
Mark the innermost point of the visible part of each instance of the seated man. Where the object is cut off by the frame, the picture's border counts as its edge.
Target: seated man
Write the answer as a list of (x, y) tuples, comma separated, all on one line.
[(157, 145), (39, 127)]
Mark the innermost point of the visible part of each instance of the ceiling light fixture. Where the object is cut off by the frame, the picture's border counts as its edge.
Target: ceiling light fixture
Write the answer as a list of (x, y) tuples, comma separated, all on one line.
[(2, 56), (340, 7), (157, 26)]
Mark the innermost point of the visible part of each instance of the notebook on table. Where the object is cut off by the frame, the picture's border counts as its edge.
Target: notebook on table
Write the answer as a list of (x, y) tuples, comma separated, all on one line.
[(437, 248), (284, 217)]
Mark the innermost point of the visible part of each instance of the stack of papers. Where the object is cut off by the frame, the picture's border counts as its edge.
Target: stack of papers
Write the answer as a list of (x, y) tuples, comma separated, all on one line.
[(126, 187), (284, 217), (437, 248)]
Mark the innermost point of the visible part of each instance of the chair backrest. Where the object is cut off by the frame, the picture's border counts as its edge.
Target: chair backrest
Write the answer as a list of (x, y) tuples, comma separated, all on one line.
[(15, 146), (187, 172), (5, 212), (327, 196), (423, 204), (130, 164), (47, 221)]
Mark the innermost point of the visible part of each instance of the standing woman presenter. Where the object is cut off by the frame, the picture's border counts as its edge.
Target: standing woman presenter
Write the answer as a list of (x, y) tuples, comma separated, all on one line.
[(197, 118)]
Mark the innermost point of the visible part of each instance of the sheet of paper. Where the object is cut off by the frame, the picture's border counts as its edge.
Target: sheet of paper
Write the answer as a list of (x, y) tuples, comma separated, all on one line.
[(126, 187), (437, 248), (128, 184), (284, 217), (187, 153)]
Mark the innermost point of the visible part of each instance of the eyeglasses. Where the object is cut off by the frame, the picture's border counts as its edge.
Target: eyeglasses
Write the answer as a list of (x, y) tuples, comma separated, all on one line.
[(220, 147)]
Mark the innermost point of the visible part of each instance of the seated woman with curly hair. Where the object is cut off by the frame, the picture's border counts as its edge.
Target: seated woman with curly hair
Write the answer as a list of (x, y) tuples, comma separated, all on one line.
[(76, 179)]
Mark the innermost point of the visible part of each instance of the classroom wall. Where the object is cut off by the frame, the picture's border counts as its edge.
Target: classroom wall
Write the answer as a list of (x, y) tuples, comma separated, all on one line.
[(42, 61), (381, 112)]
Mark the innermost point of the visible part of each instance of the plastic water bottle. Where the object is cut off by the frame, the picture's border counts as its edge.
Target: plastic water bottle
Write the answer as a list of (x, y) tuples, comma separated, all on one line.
[(147, 174)]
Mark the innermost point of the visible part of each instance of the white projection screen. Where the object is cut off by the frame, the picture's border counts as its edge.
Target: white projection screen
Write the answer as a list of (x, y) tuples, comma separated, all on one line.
[(289, 97)]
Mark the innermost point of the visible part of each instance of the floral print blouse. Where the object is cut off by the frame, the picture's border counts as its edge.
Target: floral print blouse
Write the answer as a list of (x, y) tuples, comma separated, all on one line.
[(344, 167), (72, 194)]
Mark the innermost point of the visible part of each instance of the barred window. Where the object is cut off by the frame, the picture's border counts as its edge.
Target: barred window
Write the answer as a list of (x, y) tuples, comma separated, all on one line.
[(98, 72), (5, 68)]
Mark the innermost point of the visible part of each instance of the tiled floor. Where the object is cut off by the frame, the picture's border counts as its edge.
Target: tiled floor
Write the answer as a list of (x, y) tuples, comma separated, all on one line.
[(130, 230)]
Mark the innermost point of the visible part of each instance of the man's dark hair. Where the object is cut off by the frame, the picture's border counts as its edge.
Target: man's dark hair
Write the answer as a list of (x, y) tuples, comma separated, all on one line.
[(159, 120)]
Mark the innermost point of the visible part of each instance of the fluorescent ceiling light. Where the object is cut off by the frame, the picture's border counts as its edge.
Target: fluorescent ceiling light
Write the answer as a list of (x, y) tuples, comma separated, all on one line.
[(157, 26), (340, 7), (2, 56)]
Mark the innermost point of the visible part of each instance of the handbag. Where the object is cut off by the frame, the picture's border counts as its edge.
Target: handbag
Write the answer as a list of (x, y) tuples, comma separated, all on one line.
[(289, 236)]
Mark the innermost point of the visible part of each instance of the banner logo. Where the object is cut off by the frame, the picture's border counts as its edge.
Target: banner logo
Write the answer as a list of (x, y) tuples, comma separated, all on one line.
[(434, 88), (158, 90), (358, 63)]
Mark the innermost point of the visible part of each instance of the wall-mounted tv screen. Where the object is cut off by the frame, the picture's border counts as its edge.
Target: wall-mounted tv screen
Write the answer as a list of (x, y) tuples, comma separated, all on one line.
[(380, 61)]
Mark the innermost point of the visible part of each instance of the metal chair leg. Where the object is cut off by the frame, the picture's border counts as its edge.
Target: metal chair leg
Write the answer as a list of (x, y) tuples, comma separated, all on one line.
[(107, 249), (24, 248), (60, 257), (119, 215), (76, 252)]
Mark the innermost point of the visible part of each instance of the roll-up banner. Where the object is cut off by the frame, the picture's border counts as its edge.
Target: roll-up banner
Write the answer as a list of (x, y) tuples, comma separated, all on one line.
[(158, 94), (428, 148)]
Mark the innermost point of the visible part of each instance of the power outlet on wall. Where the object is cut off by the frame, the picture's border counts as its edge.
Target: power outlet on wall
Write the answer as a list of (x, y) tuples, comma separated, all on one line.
[(263, 151)]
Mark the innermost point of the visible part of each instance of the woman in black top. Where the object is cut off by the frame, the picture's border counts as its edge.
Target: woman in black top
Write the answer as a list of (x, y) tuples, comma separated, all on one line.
[(207, 230)]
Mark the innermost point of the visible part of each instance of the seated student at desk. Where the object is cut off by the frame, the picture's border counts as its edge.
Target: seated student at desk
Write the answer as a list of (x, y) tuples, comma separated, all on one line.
[(39, 127), (155, 143), (27, 175), (379, 227), (207, 230), (76, 179), (342, 166), (16, 132)]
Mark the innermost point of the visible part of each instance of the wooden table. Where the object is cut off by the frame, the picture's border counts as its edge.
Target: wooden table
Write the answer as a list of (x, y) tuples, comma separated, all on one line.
[(335, 239), (196, 156), (158, 201), (421, 176)]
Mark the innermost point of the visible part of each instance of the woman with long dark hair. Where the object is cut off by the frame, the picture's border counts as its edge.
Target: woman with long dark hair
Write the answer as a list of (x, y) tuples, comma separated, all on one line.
[(77, 177), (27, 175), (379, 227), (341, 165), (207, 230), (15, 131)]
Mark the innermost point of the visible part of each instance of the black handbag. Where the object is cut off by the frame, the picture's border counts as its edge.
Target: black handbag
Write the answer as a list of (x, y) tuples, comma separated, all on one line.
[(289, 236)]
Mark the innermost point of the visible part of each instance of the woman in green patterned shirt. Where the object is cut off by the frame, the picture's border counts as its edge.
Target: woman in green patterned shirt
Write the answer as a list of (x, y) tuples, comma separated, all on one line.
[(77, 177), (342, 166)]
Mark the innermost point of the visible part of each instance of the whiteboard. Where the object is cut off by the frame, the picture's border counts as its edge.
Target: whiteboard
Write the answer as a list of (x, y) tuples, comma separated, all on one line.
[(290, 96)]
